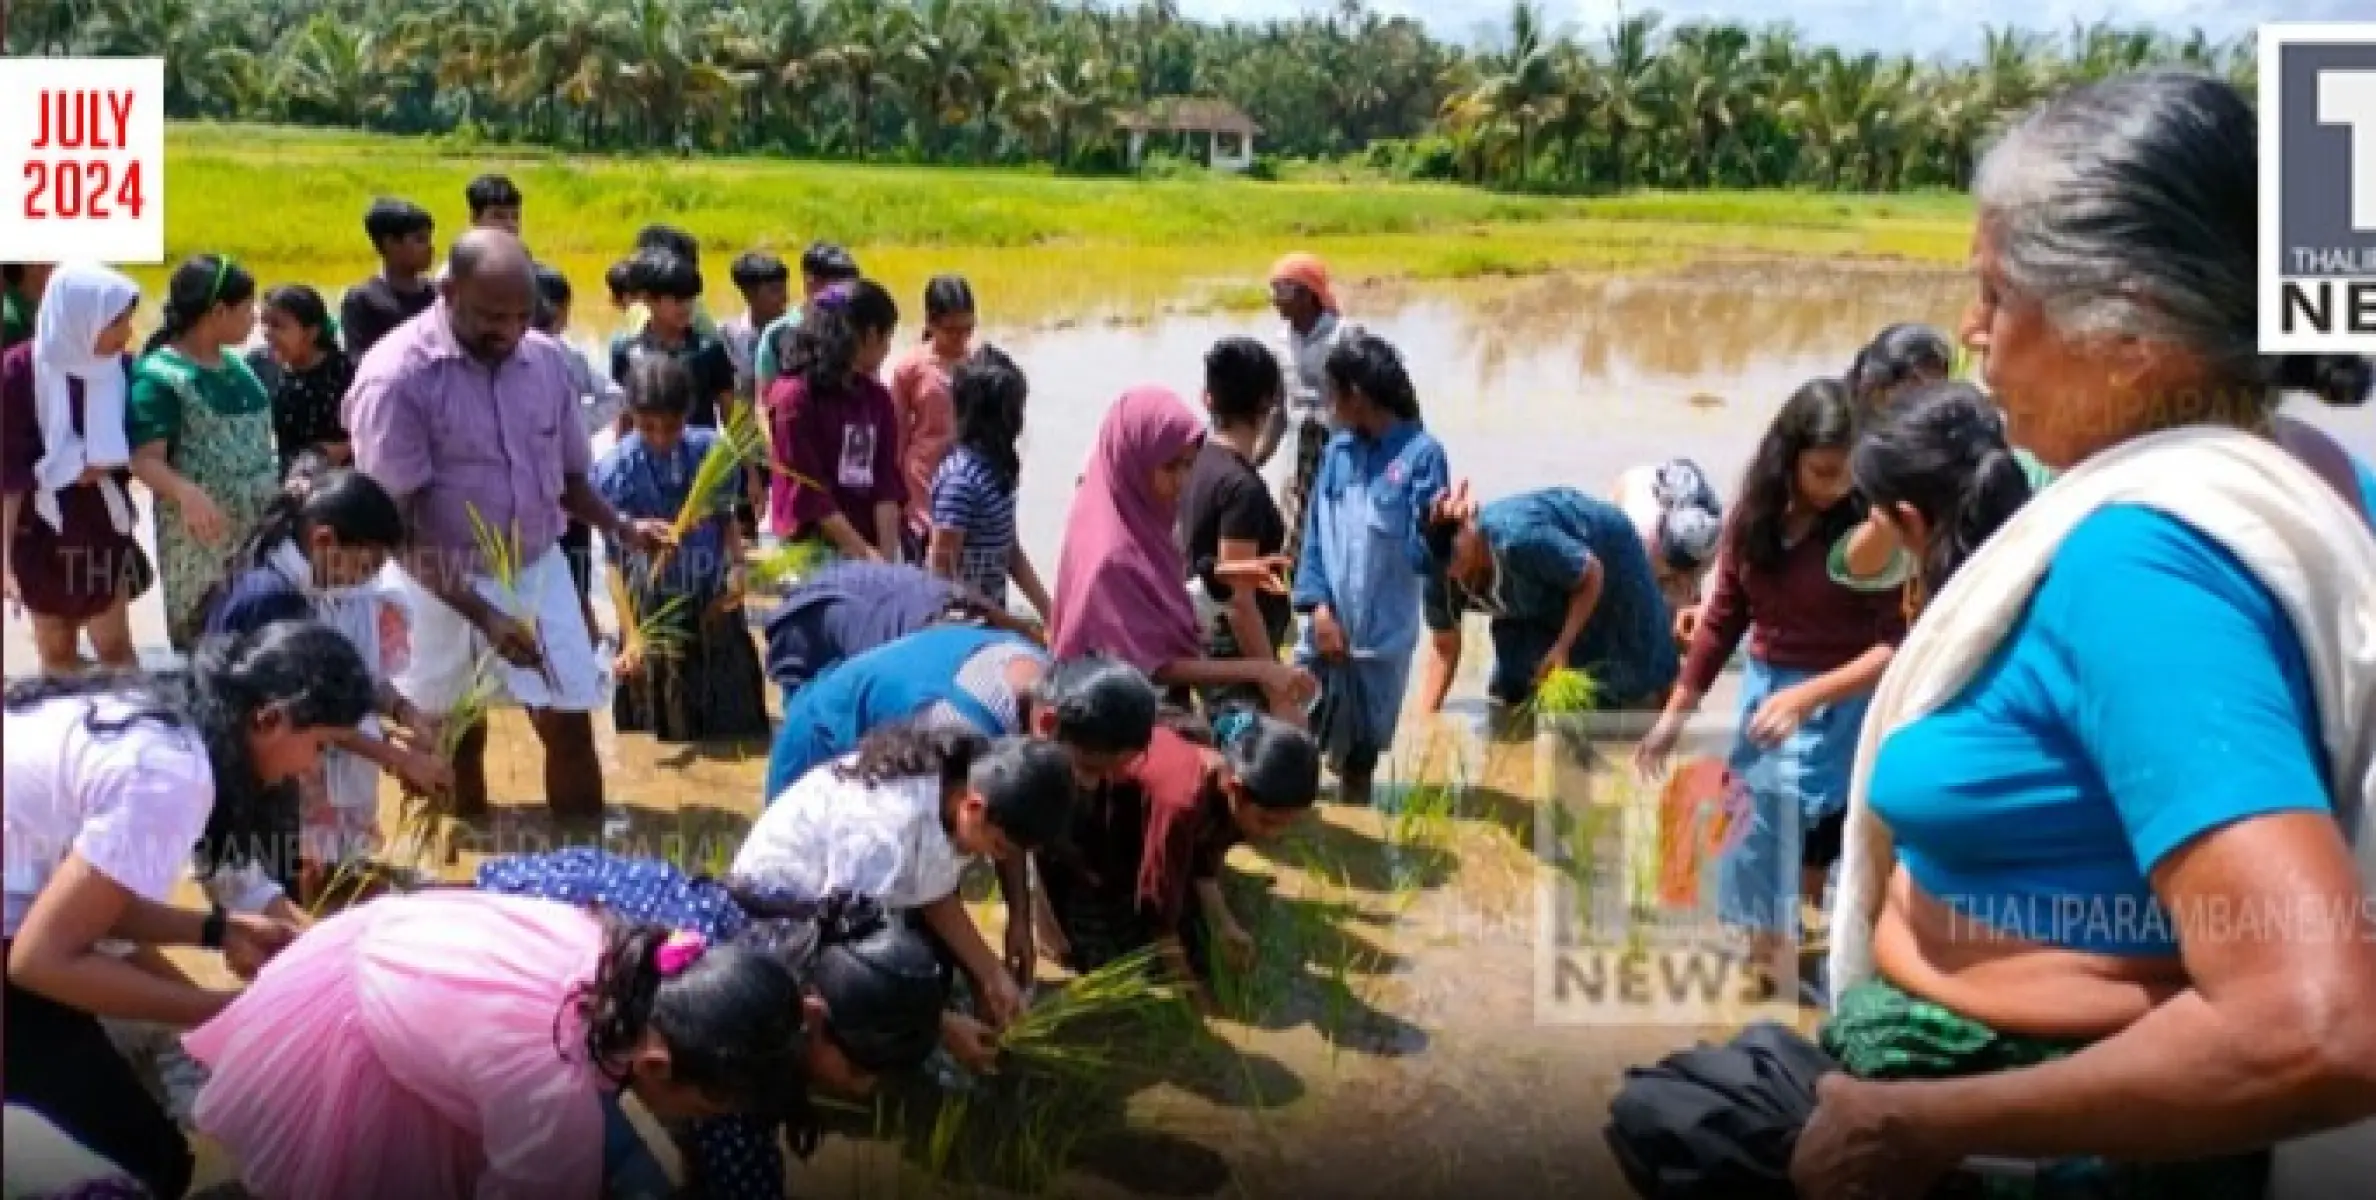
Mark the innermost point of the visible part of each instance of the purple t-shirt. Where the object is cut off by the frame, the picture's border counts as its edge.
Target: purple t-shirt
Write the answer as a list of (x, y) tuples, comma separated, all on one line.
[(447, 435)]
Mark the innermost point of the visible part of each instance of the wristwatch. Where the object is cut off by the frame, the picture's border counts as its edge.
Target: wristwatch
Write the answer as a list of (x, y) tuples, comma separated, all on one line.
[(210, 934)]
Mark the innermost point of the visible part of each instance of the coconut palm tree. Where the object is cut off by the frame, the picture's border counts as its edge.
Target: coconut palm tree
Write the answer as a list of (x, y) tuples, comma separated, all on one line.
[(1634, 102)]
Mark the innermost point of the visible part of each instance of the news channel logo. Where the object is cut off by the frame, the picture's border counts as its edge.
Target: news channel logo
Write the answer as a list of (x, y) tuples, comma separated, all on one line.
[(82, 148), (2318, 188), (1646, 883)]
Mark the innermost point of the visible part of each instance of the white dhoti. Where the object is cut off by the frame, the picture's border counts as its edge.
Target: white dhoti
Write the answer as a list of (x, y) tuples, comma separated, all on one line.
[(449, 653)]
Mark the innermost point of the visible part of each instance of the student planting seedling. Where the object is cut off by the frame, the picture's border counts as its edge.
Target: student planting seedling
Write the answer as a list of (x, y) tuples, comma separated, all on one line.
[(701, 682), (898, 822), (1142, 859), (317, 552)]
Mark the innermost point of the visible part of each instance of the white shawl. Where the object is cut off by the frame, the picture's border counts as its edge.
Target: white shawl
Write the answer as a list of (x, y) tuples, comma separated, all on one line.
[(2285, 524), (82, 300)]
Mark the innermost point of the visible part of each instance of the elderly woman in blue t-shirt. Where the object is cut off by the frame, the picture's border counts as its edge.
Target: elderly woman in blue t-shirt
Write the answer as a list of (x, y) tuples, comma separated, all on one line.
[(2120, 932)]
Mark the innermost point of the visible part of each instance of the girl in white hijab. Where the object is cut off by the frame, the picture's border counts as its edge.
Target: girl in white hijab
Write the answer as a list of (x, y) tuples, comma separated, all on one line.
[(72, 561)]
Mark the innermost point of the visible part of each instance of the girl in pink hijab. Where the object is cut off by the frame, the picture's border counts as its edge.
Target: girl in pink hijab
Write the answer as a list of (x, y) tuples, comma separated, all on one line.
[(1121, 582)]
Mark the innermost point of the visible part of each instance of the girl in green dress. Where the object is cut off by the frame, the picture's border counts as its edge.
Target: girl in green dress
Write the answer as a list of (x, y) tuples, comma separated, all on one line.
[(200, 425)]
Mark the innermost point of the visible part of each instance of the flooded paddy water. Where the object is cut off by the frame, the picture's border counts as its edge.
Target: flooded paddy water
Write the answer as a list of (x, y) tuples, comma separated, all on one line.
[(1387, 1041)]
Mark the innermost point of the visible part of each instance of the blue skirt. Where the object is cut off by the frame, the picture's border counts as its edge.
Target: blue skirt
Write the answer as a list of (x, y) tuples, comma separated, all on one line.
[(1793, 790)]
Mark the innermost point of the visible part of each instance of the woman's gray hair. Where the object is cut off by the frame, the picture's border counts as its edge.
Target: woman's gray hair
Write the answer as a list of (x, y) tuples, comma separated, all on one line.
[(2131, 207)]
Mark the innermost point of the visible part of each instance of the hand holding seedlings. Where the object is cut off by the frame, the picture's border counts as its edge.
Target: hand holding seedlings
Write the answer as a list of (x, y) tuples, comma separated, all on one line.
[(1001, 999), (513, 641), (973, 1044), (644, 535), (1238, 946)]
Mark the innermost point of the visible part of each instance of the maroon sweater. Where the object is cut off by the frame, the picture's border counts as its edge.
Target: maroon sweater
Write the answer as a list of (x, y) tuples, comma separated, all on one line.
[(1795, 616)]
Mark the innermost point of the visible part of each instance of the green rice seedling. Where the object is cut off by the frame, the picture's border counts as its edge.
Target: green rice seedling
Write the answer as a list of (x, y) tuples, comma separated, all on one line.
[(1123, 988), (1565, 692), (787, 564), (642, 634), (424, 830), (1048, 1117), (1964, 365), (1338, 957), (1256, 993), (1644, 857), (948, 1129), (741, 445), (500, 551)]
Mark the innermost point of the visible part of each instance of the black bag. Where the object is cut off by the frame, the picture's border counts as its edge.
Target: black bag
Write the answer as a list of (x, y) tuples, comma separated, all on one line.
[(1718, 1122)]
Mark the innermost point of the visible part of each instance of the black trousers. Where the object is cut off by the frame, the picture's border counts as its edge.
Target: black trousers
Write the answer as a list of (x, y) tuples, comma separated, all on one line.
[(60, 1063)]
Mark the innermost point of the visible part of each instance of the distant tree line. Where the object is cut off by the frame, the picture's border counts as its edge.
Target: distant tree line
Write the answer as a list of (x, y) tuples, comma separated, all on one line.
[(1645, 103)]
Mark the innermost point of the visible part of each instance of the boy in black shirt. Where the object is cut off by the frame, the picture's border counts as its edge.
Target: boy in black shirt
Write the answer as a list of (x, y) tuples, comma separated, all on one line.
[(403, 234), (671, 286)]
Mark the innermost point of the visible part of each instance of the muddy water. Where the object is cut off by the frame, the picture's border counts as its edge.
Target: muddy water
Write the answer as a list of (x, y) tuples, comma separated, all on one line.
[(1389, 1040)]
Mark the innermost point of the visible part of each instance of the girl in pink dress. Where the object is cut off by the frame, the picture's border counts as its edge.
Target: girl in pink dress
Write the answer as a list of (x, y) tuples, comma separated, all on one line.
[(452, 1044)]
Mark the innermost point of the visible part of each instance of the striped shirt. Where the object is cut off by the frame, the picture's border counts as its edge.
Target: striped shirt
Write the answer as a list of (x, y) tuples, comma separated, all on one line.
[(983, 679), (968, 495)]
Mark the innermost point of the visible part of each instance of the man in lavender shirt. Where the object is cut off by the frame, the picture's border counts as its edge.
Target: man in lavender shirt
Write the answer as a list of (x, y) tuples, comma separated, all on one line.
[(471, 421)]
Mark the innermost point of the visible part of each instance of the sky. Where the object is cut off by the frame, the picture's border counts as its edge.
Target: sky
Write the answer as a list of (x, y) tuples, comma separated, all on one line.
[(1922, 27)]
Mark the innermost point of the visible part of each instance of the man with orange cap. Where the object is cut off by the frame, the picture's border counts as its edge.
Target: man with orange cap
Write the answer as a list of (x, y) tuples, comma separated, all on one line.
[(1301, 292)]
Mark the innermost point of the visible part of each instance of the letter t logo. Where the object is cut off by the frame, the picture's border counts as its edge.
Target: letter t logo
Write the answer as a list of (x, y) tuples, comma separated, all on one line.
[(2348, 98)]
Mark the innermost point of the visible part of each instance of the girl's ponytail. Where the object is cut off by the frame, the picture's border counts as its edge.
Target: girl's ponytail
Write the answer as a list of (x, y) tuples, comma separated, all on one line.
[(1996, 488), (730, 1015), (1941, 451), (617, 1005), (172, 323), (317, 492)]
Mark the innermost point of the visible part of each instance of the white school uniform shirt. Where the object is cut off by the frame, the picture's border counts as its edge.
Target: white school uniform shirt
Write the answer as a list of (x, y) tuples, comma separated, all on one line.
[(828, 834), (600, 398), (133, 802)]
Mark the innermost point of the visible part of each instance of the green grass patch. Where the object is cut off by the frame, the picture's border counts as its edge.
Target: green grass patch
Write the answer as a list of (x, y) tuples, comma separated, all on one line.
[(289, 203)]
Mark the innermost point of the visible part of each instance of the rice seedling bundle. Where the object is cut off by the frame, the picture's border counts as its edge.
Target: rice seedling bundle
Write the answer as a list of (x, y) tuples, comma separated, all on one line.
[(500, 551), (645, 633), (741, 444), (1125, 988), (1566, 692)]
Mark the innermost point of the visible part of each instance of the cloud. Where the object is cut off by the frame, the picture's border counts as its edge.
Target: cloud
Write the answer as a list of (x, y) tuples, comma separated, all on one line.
[(1921, 27)]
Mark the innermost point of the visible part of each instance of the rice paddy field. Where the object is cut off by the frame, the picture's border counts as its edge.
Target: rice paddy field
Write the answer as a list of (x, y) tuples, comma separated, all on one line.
[(1422, 1017), (289, 203)]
